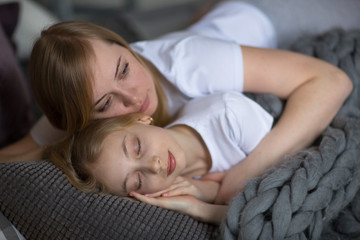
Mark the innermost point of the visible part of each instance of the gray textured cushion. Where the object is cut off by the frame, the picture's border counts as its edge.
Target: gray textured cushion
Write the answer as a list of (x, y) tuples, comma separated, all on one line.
[(37, 198)]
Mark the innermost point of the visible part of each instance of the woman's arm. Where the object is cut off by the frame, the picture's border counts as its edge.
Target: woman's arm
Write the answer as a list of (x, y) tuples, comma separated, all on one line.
[(25, 144), (31, 155), (25, 149), (314, 89)]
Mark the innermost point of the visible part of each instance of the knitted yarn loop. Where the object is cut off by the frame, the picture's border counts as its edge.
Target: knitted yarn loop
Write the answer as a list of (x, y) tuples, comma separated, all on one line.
[(315, 193)]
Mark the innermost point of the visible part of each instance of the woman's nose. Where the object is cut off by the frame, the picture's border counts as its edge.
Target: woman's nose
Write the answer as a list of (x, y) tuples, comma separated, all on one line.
[(129, 99)]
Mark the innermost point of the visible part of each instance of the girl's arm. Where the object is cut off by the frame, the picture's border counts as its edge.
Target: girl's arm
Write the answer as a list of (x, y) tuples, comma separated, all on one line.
[(204, 190), (189, 205), (314, 89)]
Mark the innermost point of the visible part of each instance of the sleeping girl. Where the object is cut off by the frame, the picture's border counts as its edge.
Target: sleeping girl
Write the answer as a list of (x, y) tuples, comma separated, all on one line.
[(128, 156)]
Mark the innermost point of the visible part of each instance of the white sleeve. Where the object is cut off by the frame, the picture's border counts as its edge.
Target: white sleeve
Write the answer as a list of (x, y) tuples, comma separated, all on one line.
[(249, 122), (196, 65), (205, 66), (44, 133)]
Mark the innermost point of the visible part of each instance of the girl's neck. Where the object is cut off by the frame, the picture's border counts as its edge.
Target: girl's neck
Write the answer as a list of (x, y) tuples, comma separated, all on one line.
[(198, 159)]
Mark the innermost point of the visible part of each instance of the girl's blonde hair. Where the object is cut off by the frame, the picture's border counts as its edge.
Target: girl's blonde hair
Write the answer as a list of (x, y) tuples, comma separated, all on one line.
[(74, 154), (61, 76)]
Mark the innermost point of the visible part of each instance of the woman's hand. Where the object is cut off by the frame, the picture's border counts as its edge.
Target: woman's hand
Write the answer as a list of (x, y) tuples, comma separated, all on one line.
[(189, 205), (200, 189)]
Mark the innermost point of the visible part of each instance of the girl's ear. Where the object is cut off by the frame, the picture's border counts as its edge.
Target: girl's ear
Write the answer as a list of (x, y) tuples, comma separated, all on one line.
[(146, 120)]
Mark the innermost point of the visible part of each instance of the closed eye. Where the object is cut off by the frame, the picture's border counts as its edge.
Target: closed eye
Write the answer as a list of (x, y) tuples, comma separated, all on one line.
[(138, 146), (125, 70), (139, 182), (105, 105)]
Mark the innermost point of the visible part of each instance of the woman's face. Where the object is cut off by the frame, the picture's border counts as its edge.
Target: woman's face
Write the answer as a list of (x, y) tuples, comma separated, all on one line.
[(142, 158), (122, 84)]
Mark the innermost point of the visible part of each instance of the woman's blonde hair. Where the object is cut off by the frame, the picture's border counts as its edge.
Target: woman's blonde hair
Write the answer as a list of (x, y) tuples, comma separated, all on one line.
[(74, 154), (61, 76)]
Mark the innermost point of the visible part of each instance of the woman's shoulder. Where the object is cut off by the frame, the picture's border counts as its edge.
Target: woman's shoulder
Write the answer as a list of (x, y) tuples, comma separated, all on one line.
[(196, 65)]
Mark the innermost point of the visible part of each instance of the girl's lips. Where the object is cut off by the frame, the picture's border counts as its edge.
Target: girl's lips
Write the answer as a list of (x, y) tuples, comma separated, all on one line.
[(145, 104), (171, 163)]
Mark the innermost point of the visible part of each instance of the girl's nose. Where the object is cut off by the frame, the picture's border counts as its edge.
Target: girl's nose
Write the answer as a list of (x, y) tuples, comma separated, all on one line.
[(154, 164)]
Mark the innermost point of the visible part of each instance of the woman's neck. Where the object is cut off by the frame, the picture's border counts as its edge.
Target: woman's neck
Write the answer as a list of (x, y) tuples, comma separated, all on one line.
[(198, 159)]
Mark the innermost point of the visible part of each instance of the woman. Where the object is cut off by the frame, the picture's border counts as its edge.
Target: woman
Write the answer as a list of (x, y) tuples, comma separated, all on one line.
[(91, 72), (125, 155)]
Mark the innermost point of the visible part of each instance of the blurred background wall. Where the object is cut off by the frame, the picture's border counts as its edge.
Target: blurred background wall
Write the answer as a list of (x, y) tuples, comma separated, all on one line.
[(133, 19)]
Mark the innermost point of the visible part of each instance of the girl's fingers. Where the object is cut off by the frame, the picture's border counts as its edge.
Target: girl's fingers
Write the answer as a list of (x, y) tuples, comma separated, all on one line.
[(182, 184), (143, 198), (189, 190), (156, 194), (159, 202), (181, 204)]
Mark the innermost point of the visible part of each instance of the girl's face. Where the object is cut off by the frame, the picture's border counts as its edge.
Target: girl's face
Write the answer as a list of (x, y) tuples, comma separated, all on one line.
[(142, 158), (122, 84)]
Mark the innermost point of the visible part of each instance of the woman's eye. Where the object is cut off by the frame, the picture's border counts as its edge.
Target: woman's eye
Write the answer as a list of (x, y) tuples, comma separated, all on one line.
[(138, 150), (105, 105), (125, 70)]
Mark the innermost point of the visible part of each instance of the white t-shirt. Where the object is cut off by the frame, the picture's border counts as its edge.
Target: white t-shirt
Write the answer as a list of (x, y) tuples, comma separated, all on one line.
[(203, 59), (206, 58), (230, 124)]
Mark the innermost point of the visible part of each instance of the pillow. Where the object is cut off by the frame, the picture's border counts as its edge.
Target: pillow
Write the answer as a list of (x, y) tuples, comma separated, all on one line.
[(16, 115), (8, 231), (40, 202)]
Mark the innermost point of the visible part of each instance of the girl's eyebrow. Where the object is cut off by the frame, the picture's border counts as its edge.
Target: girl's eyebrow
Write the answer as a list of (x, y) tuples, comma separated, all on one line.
[(117, 67)]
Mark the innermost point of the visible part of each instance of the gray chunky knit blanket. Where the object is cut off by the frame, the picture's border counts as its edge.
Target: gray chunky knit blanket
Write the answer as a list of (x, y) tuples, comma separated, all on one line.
[(315, 194)]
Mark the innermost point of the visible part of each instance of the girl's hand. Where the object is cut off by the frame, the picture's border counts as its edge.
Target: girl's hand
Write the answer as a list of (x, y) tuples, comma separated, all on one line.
[(189, 205), (202, 190), (181, 186)]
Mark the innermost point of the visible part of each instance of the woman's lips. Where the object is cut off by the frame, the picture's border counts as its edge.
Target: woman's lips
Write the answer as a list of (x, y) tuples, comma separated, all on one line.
[(171, 163), (145, 104)]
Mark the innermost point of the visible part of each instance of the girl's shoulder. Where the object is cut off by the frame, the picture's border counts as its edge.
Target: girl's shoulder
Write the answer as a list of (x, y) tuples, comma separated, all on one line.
[(231, 107)]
